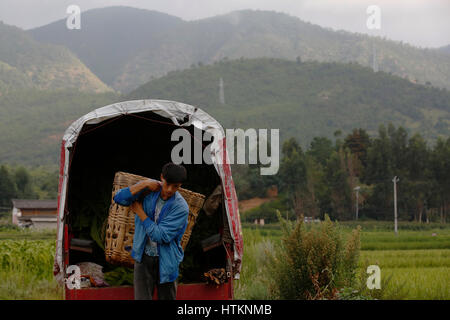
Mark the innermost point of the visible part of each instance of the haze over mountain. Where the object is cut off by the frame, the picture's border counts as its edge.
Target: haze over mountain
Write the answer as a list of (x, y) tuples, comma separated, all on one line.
[(110, 37), (126, 47), (305, 100), (445, 49), (310, 82), (26, 63), (32, 122)]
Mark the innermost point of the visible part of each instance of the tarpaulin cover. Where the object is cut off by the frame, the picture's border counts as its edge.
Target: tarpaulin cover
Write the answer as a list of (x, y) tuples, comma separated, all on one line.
[(177, 112)]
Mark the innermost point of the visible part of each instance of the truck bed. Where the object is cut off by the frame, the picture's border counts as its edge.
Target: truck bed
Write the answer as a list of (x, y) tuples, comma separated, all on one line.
[(192, 291)]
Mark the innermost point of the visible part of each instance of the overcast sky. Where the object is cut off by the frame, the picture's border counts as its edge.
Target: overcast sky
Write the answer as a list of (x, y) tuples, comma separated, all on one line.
[(424, 23)]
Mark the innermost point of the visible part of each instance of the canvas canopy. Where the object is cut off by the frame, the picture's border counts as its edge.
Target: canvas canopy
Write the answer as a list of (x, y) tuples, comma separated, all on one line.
[(179, 115)]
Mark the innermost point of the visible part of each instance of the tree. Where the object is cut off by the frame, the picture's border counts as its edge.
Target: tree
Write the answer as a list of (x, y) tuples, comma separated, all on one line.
[(23, 183), (315, 186), (293, 175), (45, 182), (340, 178), (358, 142), (440, 170), (398, 142), (379, 172), (8, 189), (417, 182), (321, 149)]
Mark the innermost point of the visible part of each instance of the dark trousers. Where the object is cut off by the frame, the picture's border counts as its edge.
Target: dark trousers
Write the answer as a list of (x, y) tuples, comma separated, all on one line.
[(146, 277)]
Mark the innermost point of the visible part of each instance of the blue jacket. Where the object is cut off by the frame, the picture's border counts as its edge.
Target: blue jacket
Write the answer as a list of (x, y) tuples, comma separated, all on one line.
[(167, 232)]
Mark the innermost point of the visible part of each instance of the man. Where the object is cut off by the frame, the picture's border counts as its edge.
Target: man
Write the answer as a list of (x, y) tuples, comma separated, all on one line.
[(160, 222)]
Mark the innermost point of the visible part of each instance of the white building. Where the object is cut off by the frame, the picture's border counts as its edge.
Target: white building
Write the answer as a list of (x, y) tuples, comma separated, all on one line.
[(38, 214)]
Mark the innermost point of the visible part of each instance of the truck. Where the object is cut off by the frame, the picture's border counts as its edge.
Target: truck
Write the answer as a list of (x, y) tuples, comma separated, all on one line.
[(138, 137)]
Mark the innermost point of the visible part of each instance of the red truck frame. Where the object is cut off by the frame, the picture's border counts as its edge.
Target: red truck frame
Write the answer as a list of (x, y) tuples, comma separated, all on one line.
[(101, 117)]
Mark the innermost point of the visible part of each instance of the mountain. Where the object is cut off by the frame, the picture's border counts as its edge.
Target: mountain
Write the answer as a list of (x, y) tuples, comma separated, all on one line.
[(305, 99), (127, 47), (33, 121), (11, 78), (110, 37), (445, 49), (26, 63)]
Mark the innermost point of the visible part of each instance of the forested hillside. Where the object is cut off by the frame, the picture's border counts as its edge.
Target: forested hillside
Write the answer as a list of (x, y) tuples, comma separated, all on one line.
[(110, 37), (32, 122), (305, 99), (321, 179), (445, 49), (27, 63), (127, 47)]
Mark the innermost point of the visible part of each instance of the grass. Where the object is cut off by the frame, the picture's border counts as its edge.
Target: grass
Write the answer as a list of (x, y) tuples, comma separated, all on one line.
[(26, 270), (414, 265), (388, 226), (252, 284), (413, 274), (18, 285), (28, 234), (434, 258), (9, 231), (406, 240), (418, 283), (26, 263)]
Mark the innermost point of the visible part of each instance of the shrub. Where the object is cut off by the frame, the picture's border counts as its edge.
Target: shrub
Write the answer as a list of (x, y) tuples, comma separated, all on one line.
[(313, 262)]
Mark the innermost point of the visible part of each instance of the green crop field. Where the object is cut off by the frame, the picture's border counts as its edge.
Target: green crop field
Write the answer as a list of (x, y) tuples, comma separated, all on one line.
[(26, 270), (414, 265), (413, 274)]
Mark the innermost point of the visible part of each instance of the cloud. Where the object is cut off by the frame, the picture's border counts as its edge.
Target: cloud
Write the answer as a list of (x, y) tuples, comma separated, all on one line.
[(419, 22)]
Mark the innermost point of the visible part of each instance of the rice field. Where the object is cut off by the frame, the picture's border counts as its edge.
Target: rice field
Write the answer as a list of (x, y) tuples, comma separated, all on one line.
[(417, 263), (26, 270), (406, 240), (414, 265), (413, 274)]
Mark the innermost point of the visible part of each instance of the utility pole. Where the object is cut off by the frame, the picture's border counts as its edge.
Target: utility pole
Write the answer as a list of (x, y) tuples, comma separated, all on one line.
[(357, 193), (395, 180)]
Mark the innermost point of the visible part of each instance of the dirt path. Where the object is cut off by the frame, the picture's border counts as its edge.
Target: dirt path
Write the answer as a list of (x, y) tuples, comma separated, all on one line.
[(245, 205)]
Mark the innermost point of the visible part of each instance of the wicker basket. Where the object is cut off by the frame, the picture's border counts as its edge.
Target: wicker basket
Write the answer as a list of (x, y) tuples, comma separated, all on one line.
[(120, 227)]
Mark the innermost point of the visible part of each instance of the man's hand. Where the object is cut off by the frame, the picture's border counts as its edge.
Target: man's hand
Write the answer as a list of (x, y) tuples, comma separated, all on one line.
[(137, 208), (153, 185)]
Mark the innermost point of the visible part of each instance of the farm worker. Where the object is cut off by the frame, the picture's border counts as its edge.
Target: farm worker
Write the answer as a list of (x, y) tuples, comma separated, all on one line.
[(160, 222)]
